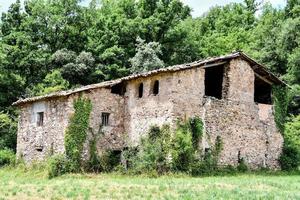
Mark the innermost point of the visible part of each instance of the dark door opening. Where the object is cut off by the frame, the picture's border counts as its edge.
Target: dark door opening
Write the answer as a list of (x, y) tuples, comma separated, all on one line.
[(262, 91), (214, 81)]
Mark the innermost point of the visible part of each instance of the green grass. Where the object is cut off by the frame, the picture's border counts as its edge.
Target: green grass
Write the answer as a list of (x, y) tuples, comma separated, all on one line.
[(34, 184)]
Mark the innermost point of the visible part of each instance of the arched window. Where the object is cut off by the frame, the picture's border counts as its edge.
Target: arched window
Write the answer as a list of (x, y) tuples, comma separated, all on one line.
[(141, 90), (156, 88)]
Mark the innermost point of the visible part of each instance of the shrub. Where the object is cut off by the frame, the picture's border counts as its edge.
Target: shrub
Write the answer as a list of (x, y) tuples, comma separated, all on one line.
[(196, 127), (290, 157), (109, 160), (153, 153), (209, 163), (8, 131), (162, 151), (7, 157), (183, 152), (58, 165), (242, 166), (94, 164)]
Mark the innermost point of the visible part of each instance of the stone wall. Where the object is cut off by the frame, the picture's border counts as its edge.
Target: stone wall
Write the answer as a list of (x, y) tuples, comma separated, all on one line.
[(180, 96), (142, 113), (241, 130), (36, 142), (246, 128), (240, 81), (112, 136)]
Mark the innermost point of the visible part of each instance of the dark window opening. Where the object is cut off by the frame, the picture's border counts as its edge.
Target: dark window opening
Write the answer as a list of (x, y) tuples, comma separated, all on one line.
[(262, 91), (214, 81), (207, 153), (105, 119), (141, 90), (39, 149), (156, 88), (40, 119), (114, 157), (119, 89), (239, 157)]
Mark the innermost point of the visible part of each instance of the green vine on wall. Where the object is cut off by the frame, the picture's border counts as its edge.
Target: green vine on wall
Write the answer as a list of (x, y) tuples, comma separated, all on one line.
[(281, 101), (196, 127), (76, 132)]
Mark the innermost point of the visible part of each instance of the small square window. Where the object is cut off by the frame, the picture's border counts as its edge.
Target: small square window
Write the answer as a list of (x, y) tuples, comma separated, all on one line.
[(40, 119), (105, 119)]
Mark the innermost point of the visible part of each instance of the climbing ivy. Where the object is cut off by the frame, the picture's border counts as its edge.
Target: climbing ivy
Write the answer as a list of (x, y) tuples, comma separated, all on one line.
[(281, 101), (77, 131), (196, 127)]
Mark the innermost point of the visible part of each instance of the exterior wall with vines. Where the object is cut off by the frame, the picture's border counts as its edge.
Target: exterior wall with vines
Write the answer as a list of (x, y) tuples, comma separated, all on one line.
[(247, 129)]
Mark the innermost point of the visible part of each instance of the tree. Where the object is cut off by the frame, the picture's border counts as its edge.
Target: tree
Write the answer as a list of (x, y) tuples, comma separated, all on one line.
[(53, 82), (146, 57), (8, 130)]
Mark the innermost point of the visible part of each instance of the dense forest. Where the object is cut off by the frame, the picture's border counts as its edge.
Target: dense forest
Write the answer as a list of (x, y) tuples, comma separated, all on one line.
[(51, 45)]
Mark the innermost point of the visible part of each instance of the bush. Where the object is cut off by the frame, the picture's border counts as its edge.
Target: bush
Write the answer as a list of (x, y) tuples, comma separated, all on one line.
[(183, 152), (242, 166), (109, 160), (290, 157), (58, 165), (153, 153), (93, 164), (7, 157), (162, 152), (8, 131)]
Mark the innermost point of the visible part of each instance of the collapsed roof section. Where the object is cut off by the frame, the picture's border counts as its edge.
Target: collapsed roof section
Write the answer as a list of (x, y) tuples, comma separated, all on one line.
[(259, 70)]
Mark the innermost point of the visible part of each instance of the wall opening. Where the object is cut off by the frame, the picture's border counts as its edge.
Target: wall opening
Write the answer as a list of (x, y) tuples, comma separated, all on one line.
[(119, 89), (239, 157), (262, 91), (141, 90), (105, 119), (40, 118), (214, 81), (156, 87)]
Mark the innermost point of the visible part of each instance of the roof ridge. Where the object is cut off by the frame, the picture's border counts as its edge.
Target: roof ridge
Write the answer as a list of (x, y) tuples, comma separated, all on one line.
[(148, 73)]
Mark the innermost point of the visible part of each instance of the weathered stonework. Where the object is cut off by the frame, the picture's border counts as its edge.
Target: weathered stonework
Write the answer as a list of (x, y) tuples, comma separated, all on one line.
[(247, 128)]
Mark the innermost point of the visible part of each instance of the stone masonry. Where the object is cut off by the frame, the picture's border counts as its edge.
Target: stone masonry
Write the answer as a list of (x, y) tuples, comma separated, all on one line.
[(124, 109)]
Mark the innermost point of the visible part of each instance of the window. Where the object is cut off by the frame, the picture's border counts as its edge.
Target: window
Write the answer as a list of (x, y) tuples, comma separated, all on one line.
[(239, 157), (141, 90), (262, 91), (156, 88), (40, 119), (105, 119), (214, 81), (119, 89)]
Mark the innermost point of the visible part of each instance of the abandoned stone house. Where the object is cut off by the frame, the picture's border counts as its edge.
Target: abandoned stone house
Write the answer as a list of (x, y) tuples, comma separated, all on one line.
[(231, 94)]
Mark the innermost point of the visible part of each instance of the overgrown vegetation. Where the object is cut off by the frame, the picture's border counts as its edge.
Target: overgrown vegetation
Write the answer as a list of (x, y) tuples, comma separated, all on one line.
[(281, 100), (290, 157), (75, 137), (164, 151), (76, 132), (7, 157)]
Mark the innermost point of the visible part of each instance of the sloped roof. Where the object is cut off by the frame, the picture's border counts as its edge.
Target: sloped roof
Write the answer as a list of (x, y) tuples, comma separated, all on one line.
[(258, 68)]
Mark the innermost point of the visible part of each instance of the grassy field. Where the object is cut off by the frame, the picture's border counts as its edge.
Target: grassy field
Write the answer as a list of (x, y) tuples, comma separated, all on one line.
[(19, 184)]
